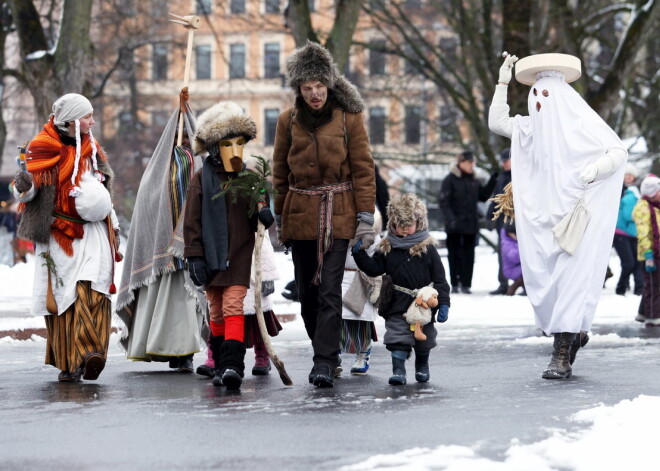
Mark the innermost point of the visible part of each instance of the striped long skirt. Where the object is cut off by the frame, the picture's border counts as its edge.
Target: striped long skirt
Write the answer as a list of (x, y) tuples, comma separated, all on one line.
[(82, 329)]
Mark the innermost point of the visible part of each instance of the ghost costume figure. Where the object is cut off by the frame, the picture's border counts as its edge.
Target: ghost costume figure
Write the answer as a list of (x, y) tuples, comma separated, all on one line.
[(566, 161)]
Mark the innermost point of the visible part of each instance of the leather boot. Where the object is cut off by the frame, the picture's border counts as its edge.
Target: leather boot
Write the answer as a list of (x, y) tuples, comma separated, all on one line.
[(232, 356), (215, 344), (518, 282), (398, 377), (560, 366), (422, 372), (580, 341)]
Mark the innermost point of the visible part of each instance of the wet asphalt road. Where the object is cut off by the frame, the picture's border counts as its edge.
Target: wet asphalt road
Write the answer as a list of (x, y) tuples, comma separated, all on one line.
[(482, 394)]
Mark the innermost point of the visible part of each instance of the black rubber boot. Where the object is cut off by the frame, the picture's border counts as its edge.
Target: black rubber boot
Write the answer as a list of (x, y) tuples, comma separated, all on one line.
[(580, 341), (422, 372), (232, 365), (560, 364), (398, 377), (215, 343)]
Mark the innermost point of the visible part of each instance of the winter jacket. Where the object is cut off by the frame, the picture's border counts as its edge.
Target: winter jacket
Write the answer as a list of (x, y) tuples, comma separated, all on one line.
[(511, 266), (412, 268), (642, 217), (459, 195), (336, 152), (241, 233), (625, 225), (503, 179)]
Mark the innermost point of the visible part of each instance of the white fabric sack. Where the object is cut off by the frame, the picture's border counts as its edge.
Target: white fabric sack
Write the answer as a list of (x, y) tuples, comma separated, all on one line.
[(570, 230), (93, 203)]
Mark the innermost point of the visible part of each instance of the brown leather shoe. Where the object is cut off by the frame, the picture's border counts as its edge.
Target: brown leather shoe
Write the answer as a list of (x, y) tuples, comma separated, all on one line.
[(93, 365)]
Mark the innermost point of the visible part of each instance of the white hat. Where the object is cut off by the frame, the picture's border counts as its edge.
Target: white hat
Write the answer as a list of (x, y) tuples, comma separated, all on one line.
[(528, 67), (631, 169), (650, 186)]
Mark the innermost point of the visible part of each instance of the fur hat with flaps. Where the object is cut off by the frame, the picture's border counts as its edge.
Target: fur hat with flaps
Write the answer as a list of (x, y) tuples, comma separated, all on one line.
[(405, 210), (313, 62), (223, 120)]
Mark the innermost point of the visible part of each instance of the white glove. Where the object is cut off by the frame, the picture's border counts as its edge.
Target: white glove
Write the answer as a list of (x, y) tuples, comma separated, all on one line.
[(505, 70), (614, 158)]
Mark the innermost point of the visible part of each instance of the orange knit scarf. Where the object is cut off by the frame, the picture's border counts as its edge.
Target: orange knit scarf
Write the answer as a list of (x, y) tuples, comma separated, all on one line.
[(52, 163)]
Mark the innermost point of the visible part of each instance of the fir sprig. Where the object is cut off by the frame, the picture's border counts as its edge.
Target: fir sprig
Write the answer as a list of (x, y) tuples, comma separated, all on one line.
[(49, 263), (251, 184)]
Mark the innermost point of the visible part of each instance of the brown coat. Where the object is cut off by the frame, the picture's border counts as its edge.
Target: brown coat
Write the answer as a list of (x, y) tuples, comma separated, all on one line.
[(304, 159), (241, 234)]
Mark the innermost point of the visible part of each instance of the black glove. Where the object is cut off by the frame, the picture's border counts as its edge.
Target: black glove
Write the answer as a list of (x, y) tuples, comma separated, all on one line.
[(22, 182), (267, 287), (266, 217), (199, 270)]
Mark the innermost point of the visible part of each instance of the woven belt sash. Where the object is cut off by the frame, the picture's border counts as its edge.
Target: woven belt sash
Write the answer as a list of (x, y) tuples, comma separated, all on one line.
[(66, 217), (327, 193)]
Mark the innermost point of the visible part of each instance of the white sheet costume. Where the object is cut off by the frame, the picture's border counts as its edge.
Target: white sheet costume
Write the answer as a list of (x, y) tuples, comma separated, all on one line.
[(560, 146)]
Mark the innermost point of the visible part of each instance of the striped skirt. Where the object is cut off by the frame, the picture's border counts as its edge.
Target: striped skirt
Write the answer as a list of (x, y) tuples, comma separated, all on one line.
[(82, 329), (356, 336)]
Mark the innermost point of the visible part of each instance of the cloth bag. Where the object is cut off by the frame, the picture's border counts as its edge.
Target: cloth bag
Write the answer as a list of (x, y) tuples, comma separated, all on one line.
[(570, 230)]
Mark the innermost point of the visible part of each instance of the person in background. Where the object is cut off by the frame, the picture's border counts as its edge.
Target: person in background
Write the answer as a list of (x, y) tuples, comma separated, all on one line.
[(66, 206), (646, 215), (459, 195), (625, 235), (511, 266), (503, 179)]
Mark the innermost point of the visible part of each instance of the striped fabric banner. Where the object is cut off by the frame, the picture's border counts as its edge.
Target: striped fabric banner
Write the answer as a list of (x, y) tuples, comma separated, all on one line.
[(356, 336), (181, 172)]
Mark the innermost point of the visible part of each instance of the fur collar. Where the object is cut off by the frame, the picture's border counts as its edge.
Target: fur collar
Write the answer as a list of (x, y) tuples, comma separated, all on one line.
[(416, 250)]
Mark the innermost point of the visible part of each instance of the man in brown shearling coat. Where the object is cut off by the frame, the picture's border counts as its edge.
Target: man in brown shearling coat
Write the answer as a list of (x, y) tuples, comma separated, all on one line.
[(325, 186)]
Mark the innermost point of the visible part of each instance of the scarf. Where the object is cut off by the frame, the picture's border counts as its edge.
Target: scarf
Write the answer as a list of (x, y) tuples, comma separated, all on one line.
[(654, 225), (52, 163), (215, 236), (407, 242), (312, 119)]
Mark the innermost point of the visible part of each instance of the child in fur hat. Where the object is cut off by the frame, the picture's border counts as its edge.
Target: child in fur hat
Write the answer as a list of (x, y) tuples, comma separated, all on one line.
[(219, 235), (409, 257)]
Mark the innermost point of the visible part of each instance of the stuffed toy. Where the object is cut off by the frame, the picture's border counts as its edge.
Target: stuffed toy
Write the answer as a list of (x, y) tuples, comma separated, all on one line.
[(419, 312)]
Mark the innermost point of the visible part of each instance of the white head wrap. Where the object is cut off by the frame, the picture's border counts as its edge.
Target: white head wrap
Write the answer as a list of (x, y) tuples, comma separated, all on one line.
[(650, 186), (68, 108)]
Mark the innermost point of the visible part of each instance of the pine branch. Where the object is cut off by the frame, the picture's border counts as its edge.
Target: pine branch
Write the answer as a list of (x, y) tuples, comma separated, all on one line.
[(251, 184)]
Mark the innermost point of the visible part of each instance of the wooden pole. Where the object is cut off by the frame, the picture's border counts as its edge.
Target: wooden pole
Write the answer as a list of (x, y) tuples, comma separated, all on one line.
[(191, 23)]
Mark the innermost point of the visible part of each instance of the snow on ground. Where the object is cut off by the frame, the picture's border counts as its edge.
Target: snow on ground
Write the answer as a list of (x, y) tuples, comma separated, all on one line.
[(595, 443)]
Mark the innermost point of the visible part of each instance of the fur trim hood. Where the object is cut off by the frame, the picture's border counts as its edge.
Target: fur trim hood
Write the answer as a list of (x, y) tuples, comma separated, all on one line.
[(416, 250), (314, 62), (406, 209), (221, 121)]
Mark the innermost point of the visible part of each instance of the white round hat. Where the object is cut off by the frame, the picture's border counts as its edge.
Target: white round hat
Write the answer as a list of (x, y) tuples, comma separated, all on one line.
[(528, 67)]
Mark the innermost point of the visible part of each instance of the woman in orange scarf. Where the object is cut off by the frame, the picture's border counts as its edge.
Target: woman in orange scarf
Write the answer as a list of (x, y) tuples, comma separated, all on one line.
[(65, 196)]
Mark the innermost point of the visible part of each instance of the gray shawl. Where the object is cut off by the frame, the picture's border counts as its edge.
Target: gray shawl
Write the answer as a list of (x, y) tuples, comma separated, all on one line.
[(149, 251)]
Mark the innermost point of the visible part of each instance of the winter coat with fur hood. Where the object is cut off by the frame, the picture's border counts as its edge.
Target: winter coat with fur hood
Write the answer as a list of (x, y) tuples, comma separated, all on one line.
[(459, 195), (413, 268)]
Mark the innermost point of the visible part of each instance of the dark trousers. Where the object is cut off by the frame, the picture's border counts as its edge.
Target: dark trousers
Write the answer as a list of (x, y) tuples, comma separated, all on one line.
[(626, 249), (320, 306), (504, 281), (460, 253), (651, 296)]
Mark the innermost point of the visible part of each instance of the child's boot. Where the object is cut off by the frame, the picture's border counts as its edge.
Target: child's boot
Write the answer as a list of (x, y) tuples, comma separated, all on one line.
[(208, 368), (422, 373), (215, 345), (361, 365), (261, 360), (232, 366), (398, 377)]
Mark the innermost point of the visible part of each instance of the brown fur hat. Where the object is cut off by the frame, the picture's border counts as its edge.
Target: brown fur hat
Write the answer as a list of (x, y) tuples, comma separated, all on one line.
[(223, 120), (404, 210)]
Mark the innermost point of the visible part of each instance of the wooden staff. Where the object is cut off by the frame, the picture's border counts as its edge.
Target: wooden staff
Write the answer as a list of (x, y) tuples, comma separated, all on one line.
[(279, 365), (191, 23)]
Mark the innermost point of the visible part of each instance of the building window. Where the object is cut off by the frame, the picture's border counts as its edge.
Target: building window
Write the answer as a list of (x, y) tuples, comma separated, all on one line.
[(271, 60), (413, 4), (203, 7), (412, 124), (312, 5), (203, 62), (448, 124), (448, 49), (159, 62), (377, 125), (237, 61), (237, 6), (411, 62), (270, 123), (377, 59), (159, 118), (272, 6), (377, 5)]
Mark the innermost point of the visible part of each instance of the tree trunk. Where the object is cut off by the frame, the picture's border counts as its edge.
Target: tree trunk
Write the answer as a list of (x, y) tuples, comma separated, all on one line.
[(516, 16)]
